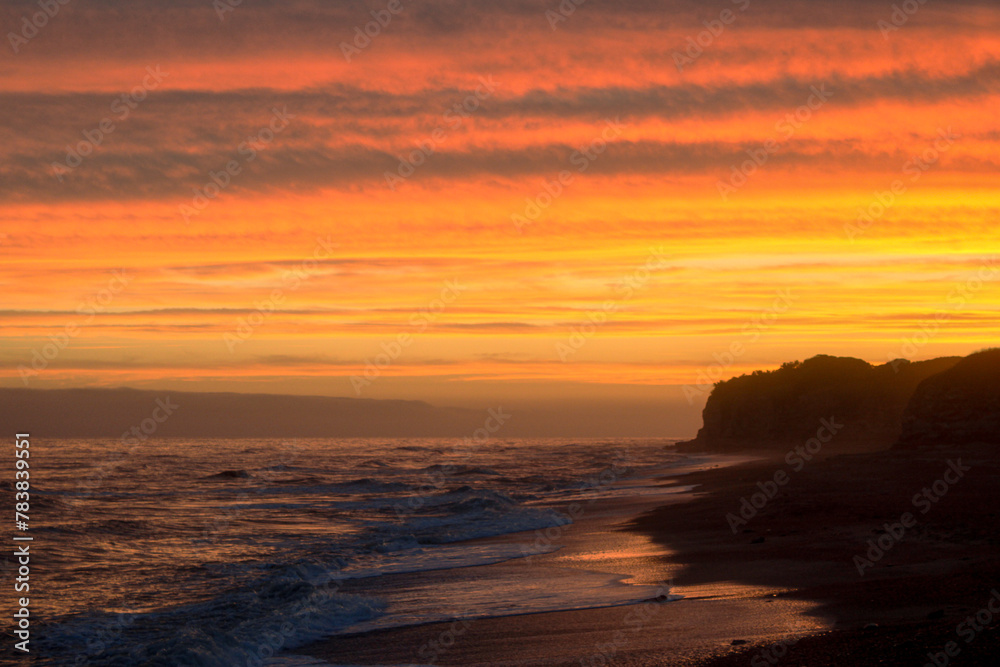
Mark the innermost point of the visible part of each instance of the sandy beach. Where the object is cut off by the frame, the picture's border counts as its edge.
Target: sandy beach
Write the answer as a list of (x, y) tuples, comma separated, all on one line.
[(783, 589)]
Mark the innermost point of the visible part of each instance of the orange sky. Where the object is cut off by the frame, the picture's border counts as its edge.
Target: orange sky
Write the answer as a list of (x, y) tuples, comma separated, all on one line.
[(309, 232)]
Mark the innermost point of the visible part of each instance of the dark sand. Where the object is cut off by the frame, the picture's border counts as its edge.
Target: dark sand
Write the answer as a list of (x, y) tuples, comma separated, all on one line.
[(786, 575)]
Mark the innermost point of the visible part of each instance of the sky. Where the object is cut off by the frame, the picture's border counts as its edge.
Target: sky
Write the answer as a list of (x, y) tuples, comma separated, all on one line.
[(515, 201)]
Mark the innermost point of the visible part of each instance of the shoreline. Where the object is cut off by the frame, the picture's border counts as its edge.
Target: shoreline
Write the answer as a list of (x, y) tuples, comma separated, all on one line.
[(787, 589), (606, 539)]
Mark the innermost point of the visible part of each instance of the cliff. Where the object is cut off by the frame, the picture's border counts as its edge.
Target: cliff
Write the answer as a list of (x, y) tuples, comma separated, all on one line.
[(957, 407), (782, 408)]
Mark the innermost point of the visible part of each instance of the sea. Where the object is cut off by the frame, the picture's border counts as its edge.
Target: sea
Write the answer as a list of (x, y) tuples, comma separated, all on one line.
[(238, 551)]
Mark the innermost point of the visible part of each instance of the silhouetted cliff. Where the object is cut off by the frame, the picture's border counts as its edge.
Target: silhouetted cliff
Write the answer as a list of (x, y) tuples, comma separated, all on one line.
[(784, 407), (959, 406)]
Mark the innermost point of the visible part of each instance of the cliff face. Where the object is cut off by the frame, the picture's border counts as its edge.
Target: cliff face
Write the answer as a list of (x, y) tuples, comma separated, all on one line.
[(959, 406), (784, 407)]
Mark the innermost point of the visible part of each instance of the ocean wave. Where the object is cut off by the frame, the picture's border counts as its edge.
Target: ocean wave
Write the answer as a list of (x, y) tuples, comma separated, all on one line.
[(464, 515), (289, 608)]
